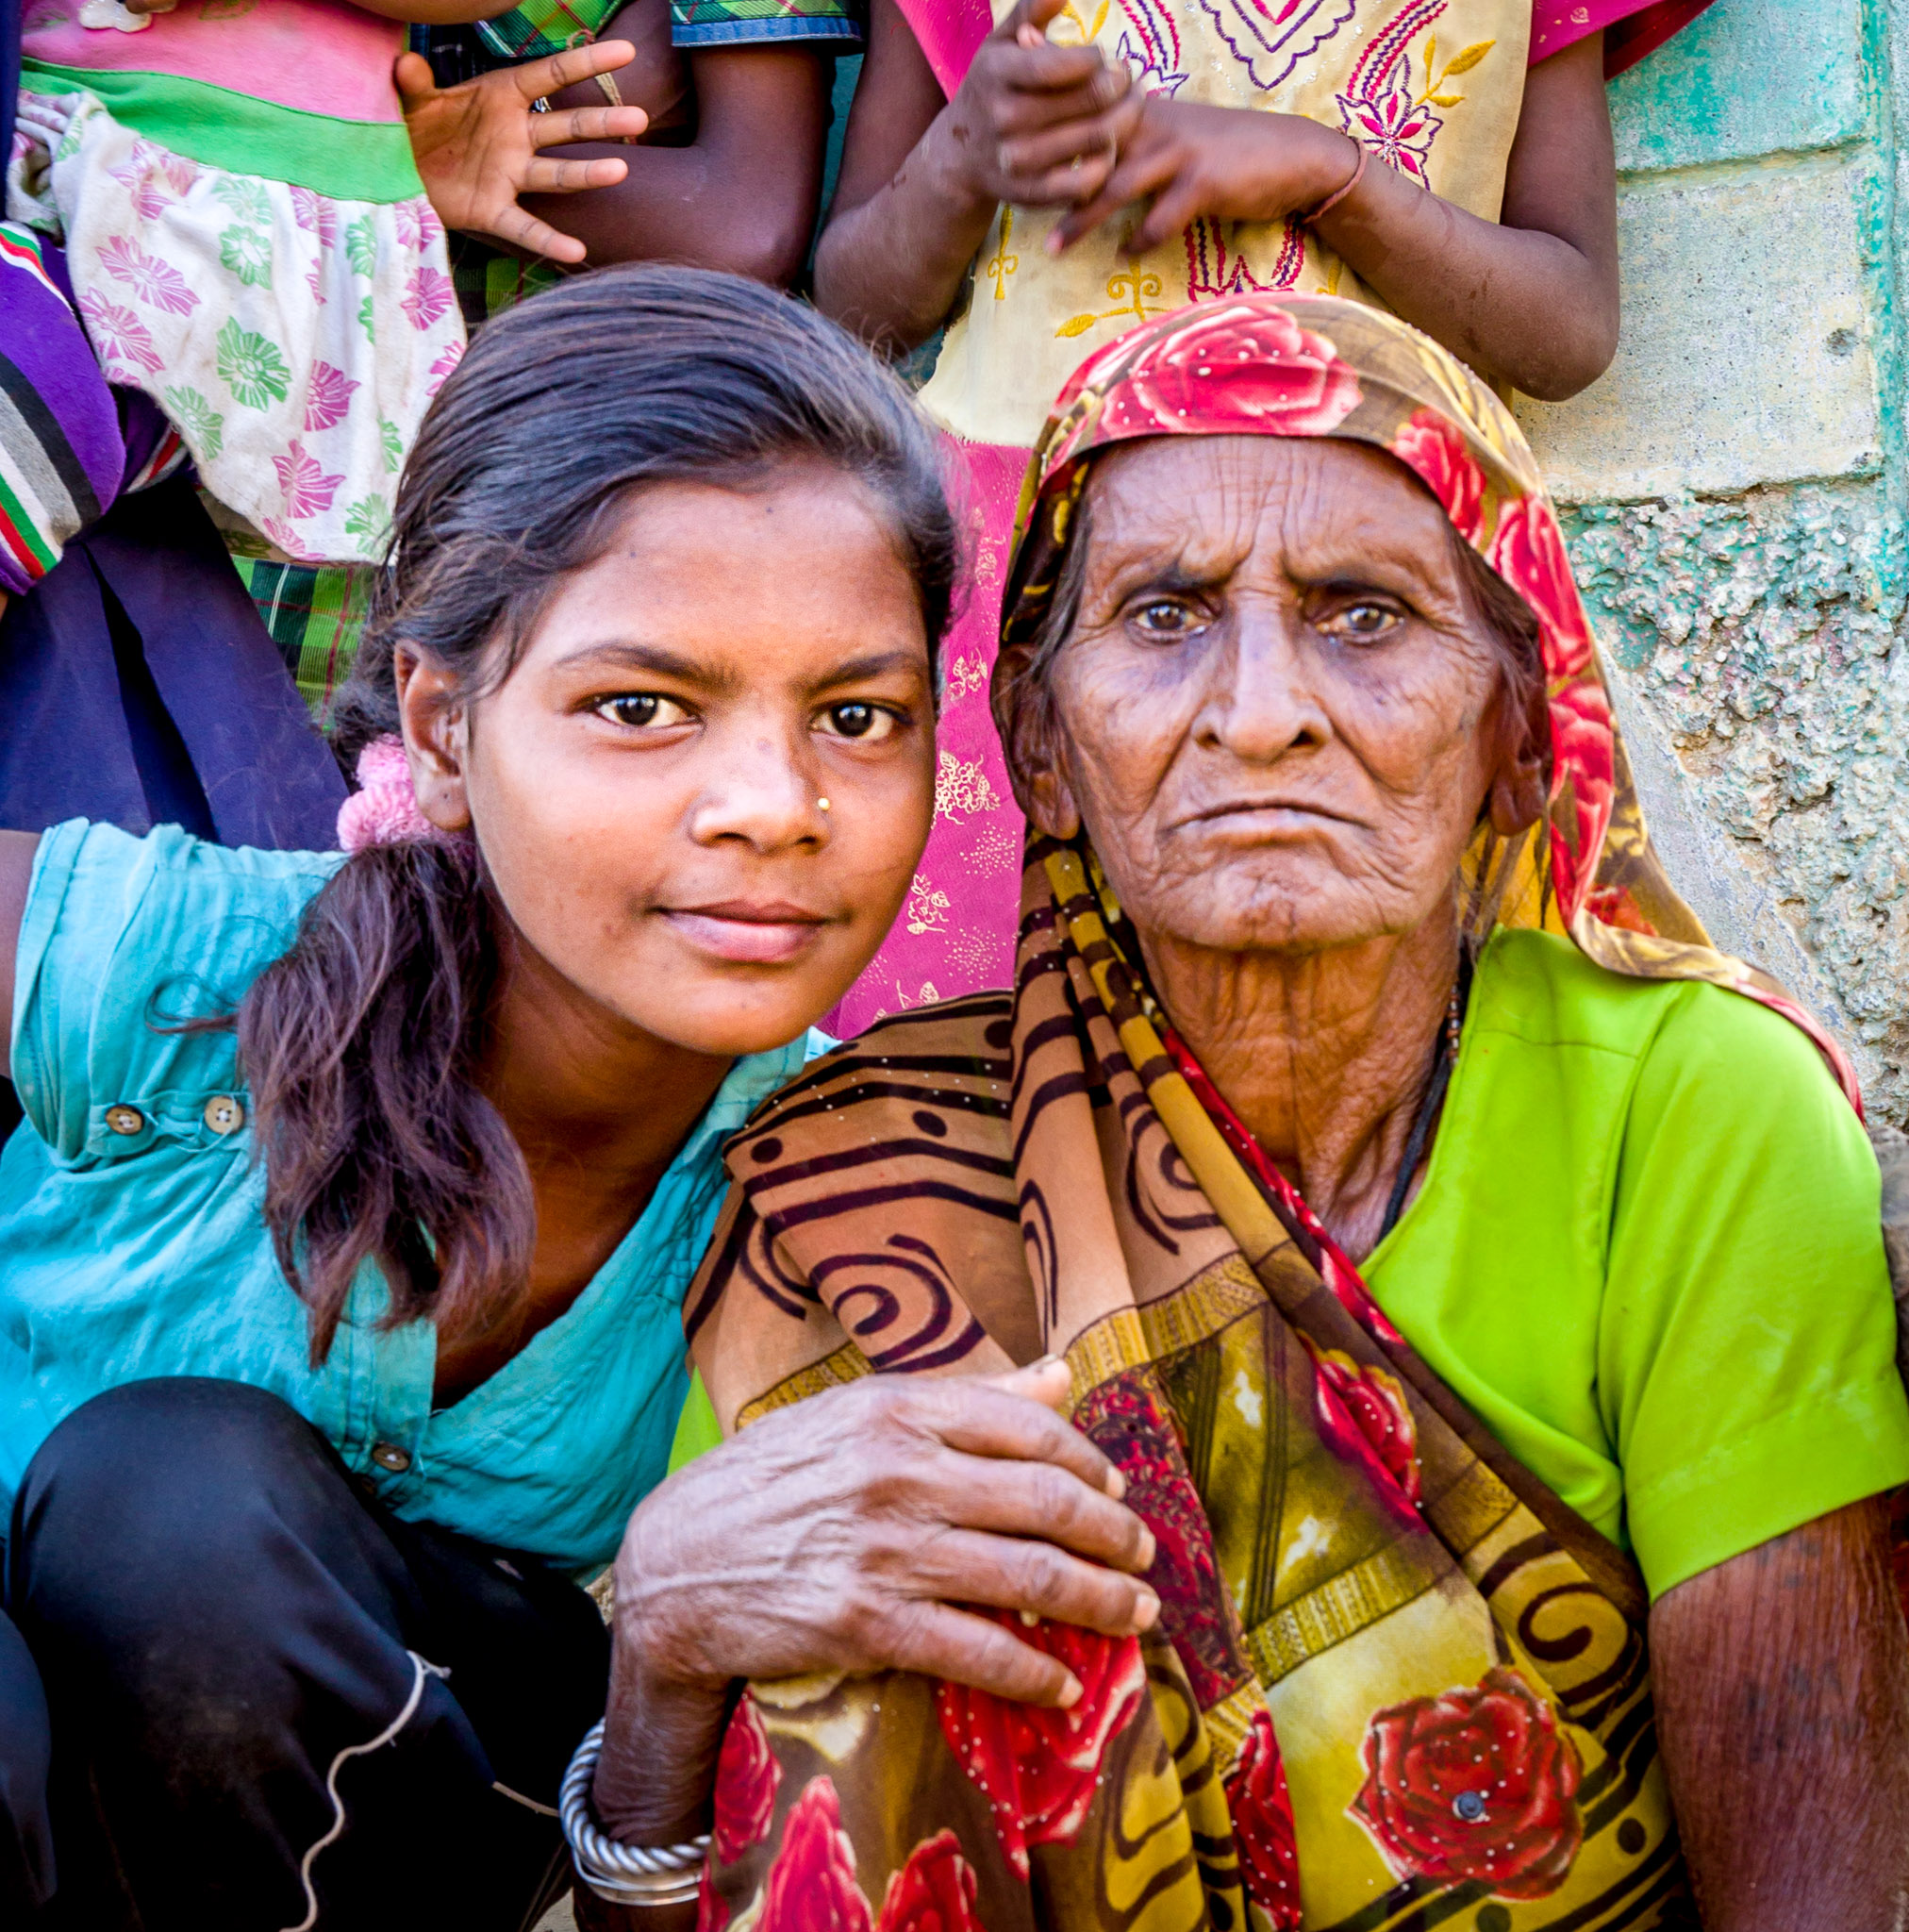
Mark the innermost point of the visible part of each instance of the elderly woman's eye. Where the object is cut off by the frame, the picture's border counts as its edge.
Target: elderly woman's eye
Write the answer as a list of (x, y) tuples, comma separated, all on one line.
[(1167, 617), (1362, 622), (867, 724), (643, 710)]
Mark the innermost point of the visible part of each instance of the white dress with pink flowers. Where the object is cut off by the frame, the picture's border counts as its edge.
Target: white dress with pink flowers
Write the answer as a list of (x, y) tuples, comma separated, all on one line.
[(249, 244)]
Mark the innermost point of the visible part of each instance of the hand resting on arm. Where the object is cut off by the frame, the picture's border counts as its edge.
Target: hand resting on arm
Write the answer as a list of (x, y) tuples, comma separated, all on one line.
[(843, 1534)]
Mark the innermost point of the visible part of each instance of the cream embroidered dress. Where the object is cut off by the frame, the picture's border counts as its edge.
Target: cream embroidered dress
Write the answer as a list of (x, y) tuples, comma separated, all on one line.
[(250, 244)]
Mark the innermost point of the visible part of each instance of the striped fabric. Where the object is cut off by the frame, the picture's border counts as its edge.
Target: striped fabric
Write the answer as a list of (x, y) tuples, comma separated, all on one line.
[(61, 452)]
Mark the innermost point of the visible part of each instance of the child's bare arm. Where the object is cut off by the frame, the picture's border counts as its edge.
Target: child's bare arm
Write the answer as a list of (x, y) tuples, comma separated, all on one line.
[(1531, 299), (921, 177), (743, 195)]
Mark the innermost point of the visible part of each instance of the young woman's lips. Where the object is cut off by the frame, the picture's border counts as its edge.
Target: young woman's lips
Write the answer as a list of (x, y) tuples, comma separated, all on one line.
[(757, 934)]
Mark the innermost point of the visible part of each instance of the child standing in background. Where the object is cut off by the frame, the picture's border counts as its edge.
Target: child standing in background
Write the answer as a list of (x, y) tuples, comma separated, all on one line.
[(250, 243)]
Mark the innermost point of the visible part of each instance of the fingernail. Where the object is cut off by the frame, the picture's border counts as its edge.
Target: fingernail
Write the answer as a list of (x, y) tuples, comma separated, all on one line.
[(1046, 1361), (1069, 1693), (1145, 1610), (1053, 243), (1148, 1548), (1116, 1483)]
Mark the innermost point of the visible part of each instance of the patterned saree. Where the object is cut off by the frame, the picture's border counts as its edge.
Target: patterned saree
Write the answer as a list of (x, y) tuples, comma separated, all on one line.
[(1396, 1682)]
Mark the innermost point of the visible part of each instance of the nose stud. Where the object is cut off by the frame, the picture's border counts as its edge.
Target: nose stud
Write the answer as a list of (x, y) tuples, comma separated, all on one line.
[(822, 804)]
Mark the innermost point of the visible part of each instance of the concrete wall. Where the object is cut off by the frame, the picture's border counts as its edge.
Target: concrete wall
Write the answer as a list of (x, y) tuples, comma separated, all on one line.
[(1734, 491)]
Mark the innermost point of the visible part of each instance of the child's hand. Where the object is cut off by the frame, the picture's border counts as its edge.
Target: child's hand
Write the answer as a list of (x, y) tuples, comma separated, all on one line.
[(1035, 122), (477, 145), (1234, 165)]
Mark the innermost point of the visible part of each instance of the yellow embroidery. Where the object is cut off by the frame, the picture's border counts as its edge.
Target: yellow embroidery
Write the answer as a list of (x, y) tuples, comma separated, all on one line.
[(1004, 263), (1071, 17), (1461, 62), (1133, 290)]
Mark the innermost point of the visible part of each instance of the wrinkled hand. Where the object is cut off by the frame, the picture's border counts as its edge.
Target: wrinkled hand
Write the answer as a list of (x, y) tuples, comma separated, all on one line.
[(1232, 164), (478, 145), (840, 1535), (1037, 123)]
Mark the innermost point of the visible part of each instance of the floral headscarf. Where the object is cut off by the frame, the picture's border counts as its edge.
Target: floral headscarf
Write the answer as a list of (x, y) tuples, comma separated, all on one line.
[(1314, 365)]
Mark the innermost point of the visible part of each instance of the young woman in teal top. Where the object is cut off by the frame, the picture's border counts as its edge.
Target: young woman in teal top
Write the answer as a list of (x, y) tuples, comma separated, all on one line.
[(343, 1244)]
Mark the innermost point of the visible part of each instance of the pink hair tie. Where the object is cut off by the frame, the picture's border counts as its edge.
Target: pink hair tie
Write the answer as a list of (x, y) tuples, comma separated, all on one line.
[(384, 810)]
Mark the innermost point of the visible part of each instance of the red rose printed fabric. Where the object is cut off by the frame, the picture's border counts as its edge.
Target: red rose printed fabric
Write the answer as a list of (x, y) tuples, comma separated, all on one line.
[(747, 1778), (934, 1891), (1363, 1416), (1477, 1785), (812, 1883), (1125, 1420), (1263, 1831), (1039, 1768)]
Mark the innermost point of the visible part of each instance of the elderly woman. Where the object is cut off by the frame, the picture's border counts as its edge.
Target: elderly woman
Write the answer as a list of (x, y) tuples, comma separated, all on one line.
[(1471, 1280)]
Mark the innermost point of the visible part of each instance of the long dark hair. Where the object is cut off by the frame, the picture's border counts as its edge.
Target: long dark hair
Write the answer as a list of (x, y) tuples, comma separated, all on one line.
[(358, 1044)]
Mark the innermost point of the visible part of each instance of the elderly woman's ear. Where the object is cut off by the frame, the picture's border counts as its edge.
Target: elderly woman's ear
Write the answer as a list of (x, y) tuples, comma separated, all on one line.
[(1517, 798), (1030, 734)]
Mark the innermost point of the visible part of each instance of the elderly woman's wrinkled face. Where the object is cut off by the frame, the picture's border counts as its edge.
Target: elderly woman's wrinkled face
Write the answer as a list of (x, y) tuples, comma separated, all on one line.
[(1279, 710)]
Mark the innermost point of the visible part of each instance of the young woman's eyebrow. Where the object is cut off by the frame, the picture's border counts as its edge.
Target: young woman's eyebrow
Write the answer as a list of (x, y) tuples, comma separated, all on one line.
[(627, 654), (871, 664)]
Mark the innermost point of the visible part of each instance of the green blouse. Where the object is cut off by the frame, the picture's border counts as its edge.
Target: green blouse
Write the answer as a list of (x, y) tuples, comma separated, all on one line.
[(1648, 1253)]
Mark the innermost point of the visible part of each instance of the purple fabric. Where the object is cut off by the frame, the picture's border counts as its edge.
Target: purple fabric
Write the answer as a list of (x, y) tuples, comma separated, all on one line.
[(53, 382), (139, 687)]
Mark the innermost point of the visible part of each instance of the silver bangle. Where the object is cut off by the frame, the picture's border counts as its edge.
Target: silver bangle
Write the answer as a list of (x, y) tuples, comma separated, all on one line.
[(622, 1874)]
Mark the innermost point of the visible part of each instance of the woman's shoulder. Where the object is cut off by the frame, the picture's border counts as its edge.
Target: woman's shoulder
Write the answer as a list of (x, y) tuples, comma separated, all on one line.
[(906, 1077), (1539, 988)]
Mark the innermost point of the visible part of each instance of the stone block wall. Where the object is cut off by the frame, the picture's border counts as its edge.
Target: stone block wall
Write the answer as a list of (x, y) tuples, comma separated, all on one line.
[(1734, 493)]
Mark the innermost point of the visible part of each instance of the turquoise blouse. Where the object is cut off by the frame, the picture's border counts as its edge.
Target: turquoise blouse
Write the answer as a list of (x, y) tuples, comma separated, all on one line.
[(132, 1244)]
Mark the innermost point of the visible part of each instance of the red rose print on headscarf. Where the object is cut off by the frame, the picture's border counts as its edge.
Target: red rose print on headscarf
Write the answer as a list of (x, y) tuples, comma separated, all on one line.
[(1263, 1831), (1582, 770), (1527, 552), (1433, 448), (1038, 1768), (1363, 1417), (1474, 1787), (1614, 906), (812, 1883), (934, 1891), (1228, 367), (747, 1776)]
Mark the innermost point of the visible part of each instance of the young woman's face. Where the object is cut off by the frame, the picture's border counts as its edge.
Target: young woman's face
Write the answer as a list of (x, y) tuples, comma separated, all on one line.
[(705, 788)]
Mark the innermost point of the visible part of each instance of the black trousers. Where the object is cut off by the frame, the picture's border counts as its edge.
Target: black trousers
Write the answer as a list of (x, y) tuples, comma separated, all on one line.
[(236, 1693)]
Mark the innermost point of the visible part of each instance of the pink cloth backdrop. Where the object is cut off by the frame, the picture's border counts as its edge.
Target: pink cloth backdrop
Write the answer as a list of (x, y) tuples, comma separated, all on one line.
[(955, 934)]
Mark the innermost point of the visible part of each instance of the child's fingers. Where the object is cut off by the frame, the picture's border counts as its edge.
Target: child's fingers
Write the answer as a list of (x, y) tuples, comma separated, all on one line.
[(1058, 147), (1027, 110), (556, 72), (520, 226), (567, 177), (1137, 175), (1032, 15), (1171, 210), (413, 79), (568, 126)]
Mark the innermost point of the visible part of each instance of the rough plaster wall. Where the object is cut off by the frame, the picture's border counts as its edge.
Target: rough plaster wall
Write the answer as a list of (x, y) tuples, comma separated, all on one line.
[(1734, 493)]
